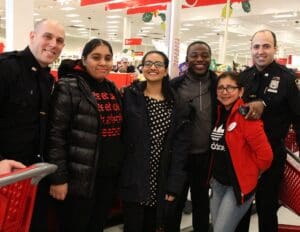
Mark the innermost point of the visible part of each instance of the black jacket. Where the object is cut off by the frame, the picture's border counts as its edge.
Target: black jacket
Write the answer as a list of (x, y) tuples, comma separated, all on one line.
[(74, 139), (276, 86), (25, 90), (177, 82), (135, 174)]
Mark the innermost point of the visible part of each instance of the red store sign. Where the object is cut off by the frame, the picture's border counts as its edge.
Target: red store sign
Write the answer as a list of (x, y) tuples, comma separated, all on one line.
[(133, 41), (138, 53), (110, 4)]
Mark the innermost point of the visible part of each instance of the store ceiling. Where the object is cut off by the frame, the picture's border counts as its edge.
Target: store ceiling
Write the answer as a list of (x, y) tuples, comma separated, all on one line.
[(200, 23)]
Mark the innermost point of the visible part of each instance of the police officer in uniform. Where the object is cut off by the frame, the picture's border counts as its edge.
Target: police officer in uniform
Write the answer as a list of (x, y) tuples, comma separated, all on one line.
[(25, 89), (272, 94)]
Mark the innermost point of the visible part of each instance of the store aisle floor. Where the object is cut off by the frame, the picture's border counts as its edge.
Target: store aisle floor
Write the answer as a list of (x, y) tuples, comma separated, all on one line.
[(285, 217)]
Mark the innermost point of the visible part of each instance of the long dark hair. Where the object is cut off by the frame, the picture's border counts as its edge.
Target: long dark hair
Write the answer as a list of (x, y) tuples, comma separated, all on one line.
[(92, 44), (166, 88)]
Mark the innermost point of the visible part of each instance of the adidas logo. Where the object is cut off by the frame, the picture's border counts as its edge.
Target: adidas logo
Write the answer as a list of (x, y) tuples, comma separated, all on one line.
[(217, 133), (215, 136)]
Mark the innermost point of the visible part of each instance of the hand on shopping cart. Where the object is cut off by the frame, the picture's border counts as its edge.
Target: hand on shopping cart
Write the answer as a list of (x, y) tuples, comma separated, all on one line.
[(7, 166), (59, 192)]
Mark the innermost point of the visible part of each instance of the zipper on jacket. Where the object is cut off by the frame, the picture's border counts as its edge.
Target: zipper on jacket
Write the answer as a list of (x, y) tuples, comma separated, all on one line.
[(242, 198), (200, 96)]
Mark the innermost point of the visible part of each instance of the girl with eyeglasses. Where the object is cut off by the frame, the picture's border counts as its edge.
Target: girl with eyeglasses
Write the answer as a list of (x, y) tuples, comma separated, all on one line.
[(153, 175), (240, 151)]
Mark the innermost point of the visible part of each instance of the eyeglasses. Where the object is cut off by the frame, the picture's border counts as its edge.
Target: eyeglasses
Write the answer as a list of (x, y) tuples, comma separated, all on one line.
[(157, 64), (229, 89)]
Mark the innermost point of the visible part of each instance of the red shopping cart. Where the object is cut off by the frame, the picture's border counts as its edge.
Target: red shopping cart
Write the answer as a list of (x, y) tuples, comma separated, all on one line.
[(17, 196), (290, 189), (290, 140)]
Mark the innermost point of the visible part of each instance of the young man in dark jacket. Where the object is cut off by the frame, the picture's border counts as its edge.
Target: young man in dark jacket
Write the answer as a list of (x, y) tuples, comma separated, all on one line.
[(197, 89), (25, 89)]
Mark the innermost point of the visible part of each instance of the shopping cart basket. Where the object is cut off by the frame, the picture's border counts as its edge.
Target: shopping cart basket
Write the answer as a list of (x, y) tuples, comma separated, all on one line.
[(17, 196), (290, 189)]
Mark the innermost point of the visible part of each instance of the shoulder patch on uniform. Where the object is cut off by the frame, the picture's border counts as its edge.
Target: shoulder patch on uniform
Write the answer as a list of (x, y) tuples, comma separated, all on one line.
[(249, 69), (7, 55), (285, 69)]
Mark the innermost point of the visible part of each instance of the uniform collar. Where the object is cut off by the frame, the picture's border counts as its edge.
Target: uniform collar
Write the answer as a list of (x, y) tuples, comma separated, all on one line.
[(31, 62), (266, 72)]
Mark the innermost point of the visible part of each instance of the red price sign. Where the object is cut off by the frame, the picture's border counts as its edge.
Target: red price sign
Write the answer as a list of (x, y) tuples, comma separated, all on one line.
[(133, 41)]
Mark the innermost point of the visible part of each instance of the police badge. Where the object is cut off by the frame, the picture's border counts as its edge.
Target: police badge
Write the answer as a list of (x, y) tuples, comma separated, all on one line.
[(273, 86)]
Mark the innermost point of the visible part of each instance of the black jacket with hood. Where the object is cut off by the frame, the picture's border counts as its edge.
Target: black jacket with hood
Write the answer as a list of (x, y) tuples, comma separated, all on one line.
[(136, 170), (74, 138)]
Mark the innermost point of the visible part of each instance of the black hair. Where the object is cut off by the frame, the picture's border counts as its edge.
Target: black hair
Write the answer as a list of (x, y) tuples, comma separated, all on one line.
[(130, 69), (66, 67), (233, 76), (92, 44), (166, 88), (198, 42), (265, 30)]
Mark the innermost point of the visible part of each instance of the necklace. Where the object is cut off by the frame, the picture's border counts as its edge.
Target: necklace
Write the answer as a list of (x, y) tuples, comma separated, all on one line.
[(158, 97)]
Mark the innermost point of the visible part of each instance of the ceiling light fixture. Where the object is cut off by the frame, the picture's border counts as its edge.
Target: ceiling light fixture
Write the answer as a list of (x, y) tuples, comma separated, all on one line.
[(113, 22), (67, 8), (72, 15), (187, 24), (287, 15), (76, 21), (112, 26), (64, 2), (113, 16)]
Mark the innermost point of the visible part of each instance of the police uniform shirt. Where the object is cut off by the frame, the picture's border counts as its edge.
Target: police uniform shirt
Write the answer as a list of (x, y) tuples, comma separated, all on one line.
[(276, 86), (25, 90)]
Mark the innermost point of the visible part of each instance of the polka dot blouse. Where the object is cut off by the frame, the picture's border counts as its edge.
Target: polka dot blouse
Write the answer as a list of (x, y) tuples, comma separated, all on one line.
[(159, 114)]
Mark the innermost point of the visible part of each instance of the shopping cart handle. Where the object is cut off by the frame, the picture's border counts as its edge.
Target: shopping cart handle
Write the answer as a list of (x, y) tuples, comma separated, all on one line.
[(291, 154), (36, 172)]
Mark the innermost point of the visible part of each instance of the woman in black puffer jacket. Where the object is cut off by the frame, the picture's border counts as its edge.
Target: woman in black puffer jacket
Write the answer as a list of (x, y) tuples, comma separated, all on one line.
[(84, 139)]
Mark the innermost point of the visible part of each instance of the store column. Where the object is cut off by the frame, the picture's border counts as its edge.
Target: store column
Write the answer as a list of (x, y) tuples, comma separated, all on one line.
[(126, 31), (19, 23), (173, 40), (221, 56), (223, 49)]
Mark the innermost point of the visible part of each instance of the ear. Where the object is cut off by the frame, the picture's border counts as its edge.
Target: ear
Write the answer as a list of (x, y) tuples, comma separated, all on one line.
[(166, 72), (83, 61), (32, 34), (241, 92)]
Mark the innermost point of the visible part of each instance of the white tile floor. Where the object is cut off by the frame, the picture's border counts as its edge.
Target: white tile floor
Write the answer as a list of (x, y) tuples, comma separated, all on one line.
[(285, 217)]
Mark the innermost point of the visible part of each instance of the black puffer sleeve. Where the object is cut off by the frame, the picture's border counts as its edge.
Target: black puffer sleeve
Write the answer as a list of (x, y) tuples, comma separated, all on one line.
[(60, 118)]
